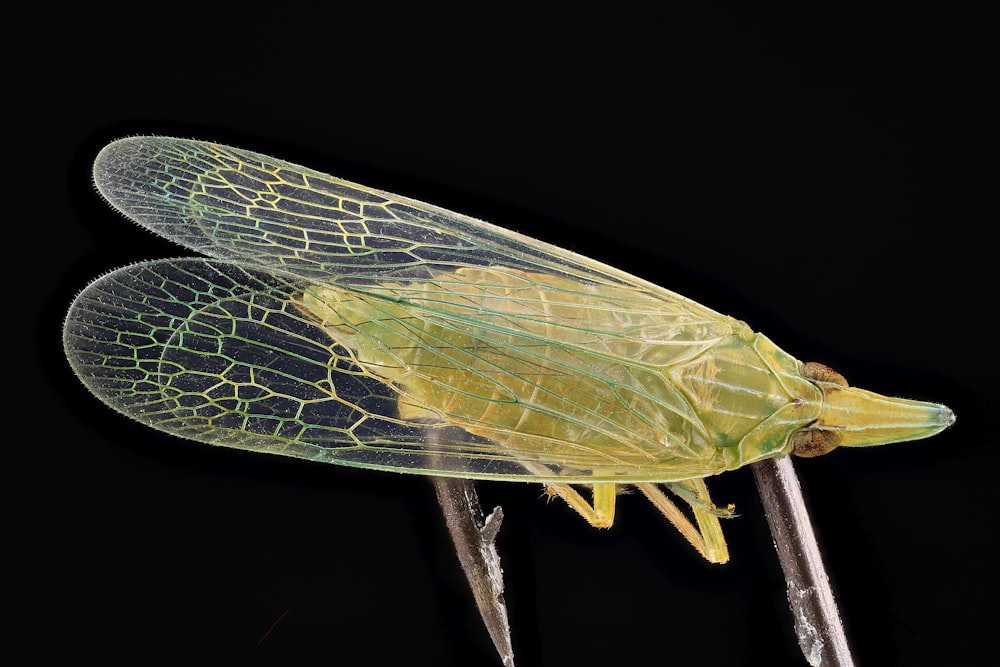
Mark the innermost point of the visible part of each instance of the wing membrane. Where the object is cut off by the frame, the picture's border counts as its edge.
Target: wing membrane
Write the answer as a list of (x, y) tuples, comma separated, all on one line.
[(234, 204), (254, 350), (223, 354)]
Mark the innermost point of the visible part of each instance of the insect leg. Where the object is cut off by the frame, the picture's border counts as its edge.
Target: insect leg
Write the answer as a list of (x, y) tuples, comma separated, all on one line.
[(707, 538), (601, 514)]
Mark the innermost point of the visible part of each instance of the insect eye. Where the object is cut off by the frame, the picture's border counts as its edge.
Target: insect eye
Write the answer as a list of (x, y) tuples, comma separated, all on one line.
[(817, 372), (810, 442)]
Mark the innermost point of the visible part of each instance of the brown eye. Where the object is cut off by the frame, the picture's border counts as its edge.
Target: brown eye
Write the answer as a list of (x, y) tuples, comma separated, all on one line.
[(813, 370), (810, 442)]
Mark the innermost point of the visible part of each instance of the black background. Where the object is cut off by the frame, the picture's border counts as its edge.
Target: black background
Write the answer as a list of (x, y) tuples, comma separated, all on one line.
[(813, 173)]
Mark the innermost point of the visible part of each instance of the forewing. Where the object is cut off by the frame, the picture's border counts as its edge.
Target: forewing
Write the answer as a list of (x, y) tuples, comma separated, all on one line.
[(228, 352), (234, 204), (216, 352)]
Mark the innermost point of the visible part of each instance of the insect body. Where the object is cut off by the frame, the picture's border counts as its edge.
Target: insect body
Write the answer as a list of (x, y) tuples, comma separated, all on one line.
[(344, 324)]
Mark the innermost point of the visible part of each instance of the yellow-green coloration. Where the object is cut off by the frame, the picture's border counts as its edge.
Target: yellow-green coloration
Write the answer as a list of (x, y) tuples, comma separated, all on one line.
[(348, 325), (667, 398)]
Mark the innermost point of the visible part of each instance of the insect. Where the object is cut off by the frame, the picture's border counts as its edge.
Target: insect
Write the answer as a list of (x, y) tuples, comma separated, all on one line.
[(339, 323)]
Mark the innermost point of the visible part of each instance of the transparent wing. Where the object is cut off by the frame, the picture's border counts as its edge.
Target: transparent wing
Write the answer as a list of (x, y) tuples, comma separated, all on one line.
[(233, 204), (343, 324), (216, 352), (219, 353)]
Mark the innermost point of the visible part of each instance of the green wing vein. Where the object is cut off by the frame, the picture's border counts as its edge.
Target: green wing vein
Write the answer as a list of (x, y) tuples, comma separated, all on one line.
[(340, 323)]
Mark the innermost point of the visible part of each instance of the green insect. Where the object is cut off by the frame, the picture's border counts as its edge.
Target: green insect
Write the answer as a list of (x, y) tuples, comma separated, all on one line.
[(343, 324)]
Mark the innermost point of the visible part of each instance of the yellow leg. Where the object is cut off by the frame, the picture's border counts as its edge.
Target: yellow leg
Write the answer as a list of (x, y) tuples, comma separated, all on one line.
[(601, 514), (707, 538)]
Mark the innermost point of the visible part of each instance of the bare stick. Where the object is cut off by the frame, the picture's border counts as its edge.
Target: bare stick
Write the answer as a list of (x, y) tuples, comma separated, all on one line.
[(474, 537), (814, 611)]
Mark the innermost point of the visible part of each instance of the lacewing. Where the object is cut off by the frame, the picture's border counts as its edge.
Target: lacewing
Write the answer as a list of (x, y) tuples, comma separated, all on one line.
[(343, 324)]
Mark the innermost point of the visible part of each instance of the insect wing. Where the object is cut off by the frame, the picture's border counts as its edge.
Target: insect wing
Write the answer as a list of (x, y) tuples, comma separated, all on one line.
[(233, 204), (226, 351), (216, 352)]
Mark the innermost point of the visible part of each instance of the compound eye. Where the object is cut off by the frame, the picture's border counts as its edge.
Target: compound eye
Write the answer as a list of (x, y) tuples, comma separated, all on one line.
[(817, 372), (810, 442)]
